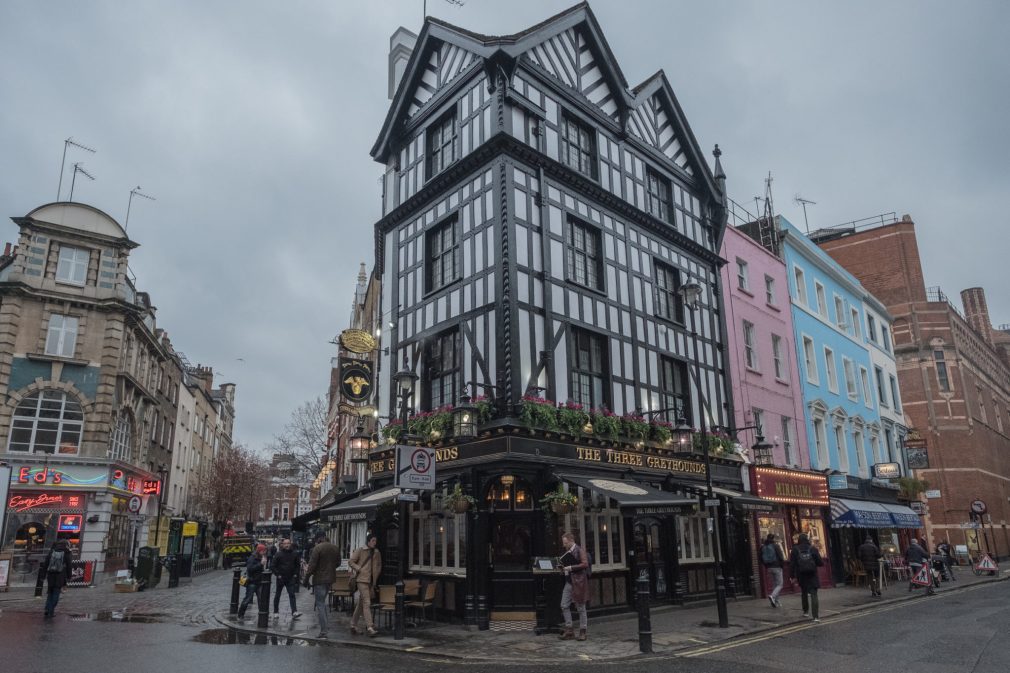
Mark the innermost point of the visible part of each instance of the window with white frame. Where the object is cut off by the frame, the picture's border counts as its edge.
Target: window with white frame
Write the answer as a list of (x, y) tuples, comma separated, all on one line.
[(758, 419), (742, 275), (770, 291), (829, 365), (857, 441), (809, 360), (749, 346), (941, 371), (777, 358), (599, 528), (821, 443), (437, 537), (843, 446), (878, 374), (121, 443), (694, 541), (889, 445), (855, 323), (801, 285), (895, 398), (850, 378), (49, 421), (72, 266), (885, 338), (871, 328), (822, 302), (840, 313), (61, 335), (787, 440), (864, 379), (875, 447)]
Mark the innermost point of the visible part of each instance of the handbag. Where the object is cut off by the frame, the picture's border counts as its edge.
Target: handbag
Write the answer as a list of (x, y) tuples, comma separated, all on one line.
[(243, 580), (352, 583)]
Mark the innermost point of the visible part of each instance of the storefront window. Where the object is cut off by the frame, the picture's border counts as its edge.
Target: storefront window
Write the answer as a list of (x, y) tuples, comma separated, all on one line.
[(812, 524), (598, 527), (694, 540), (775, 526), (437, 537)]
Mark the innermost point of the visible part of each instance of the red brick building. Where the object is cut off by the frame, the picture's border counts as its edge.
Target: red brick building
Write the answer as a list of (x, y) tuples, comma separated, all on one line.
[(954, 373)]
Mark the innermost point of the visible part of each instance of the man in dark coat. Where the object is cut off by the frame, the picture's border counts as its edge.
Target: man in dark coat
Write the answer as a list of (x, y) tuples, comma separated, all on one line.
[(321, 574), (57, 568), (286, 564), (255, 565), (804, 560), (869, 556), (575, 565), (917, 556)]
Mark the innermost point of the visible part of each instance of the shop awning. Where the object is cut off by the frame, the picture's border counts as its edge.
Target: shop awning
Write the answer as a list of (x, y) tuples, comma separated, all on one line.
[(644, 499), (860, 514), (904, 517), (359, 508), (302, 521)]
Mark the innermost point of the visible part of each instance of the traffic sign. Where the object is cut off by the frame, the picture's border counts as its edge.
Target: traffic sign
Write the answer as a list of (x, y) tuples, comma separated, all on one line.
[(986, 563), (134, 504), (415, 467), (408, 497), (922, 578), (711, 502), (978, 506)]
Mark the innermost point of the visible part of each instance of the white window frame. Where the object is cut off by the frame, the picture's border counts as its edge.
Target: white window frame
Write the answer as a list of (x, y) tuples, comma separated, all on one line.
[(61, 335), (849, 368), (895, 393), (422, 521), (821, 450), (801, 285), (750, 347), (875, 447), (871, 328), (770, 291), (842, 445), (878, 374), (781, 371), (121, 442), (864, 378), (854, 312), (604, 512), (72, 265), (857, 441), (810, 360), (885, 337), (694, 543), (840, 313), (742, 275), (787, 440), (822, 300), (53, 400), (832, 369)]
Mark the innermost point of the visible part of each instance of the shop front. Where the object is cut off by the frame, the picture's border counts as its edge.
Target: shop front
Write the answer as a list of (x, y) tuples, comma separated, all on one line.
[(801, 503), (888, 524), (502, 502)]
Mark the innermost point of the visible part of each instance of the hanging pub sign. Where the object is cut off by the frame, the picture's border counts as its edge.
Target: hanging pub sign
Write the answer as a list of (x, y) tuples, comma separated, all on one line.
[(355, 379), (887, 470), (916, 454), (357, 341)]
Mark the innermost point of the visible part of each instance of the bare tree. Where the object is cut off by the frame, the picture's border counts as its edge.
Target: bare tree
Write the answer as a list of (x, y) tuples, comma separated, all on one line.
[(232, 485), (304, 439)]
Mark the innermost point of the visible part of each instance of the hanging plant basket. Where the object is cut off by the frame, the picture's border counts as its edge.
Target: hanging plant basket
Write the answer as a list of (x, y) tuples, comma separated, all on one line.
[(562, 507), (461, 506)]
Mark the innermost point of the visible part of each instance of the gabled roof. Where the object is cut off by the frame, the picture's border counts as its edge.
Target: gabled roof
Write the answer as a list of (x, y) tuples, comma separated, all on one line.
[(570, 46)]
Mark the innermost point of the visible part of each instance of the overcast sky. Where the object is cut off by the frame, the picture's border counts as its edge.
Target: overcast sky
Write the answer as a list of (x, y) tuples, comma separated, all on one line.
[(251, 122)]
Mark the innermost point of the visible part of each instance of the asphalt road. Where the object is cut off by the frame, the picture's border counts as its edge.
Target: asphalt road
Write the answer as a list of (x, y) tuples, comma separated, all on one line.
[(962, 632)]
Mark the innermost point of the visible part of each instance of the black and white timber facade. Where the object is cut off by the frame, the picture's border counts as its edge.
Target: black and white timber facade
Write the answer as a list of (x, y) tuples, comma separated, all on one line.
[(539, 215)]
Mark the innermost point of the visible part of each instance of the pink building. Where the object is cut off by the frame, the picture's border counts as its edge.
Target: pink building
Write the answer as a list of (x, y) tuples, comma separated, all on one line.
[(761, 350)]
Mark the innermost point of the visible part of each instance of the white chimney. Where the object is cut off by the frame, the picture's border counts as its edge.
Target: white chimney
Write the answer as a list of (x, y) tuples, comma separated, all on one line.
[(401, 44)]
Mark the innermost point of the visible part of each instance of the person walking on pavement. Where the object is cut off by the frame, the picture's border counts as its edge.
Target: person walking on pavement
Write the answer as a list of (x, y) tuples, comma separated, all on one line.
[(320, 574), (366, 564), (804, 560), (773, 559), (57, 568), (286, 565), (575, 564), (944, 550), (917, 556), (869, 555), (255, 565)]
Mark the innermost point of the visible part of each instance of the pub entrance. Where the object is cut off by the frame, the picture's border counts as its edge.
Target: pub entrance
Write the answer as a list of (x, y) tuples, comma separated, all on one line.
[(513, 530), (653, 553)]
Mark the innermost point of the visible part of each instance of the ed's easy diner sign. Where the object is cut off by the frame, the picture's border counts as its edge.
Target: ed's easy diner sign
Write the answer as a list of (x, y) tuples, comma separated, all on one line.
[(386, 462)]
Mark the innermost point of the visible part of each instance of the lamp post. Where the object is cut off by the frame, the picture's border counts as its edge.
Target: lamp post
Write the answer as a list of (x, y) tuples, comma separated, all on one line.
[(162, 471), (359, 444), (691, 294), (404, 379)]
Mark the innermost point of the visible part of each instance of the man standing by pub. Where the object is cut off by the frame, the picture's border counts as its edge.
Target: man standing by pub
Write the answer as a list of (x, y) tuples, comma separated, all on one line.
[(366, 564), (575, 565)]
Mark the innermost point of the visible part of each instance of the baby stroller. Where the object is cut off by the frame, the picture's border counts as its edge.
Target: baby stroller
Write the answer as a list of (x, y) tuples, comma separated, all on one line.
[(939, 568)]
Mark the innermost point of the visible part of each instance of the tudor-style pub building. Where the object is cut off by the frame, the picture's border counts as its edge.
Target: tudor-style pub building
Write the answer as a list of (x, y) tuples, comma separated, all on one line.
[(539, 217)]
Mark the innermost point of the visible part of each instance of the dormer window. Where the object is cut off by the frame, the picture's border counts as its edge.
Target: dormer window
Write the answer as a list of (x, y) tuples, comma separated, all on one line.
[(72, 266)]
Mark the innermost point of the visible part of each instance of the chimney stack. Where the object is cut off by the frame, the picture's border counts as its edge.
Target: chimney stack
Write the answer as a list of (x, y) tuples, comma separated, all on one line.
[(976, 312), (401, 45)]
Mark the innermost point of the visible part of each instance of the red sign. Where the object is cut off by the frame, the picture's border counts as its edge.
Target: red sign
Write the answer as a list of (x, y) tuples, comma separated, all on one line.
[(69, 523), (22, 502), (151, 487), (43, 476), (791, 487)]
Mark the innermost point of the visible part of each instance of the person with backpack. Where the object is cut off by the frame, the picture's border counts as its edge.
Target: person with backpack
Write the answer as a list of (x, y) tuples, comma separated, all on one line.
[(57, 568), (575, 565), (773, 559), (804, 560)]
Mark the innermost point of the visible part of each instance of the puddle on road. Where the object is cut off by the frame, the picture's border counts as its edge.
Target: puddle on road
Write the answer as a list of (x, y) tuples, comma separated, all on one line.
[(119, 616), (229, 637)]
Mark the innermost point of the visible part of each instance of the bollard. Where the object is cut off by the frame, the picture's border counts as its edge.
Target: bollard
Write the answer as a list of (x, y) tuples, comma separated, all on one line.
[(172, 563), (644, 621), (483, 624), (235, 587), (39, 582), (469, 611), (263, 600), (398, 612)]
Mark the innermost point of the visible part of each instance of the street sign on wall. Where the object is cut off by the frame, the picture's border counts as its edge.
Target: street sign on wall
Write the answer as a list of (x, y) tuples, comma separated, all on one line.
[(887, 470), (933, 494), (415, 467)]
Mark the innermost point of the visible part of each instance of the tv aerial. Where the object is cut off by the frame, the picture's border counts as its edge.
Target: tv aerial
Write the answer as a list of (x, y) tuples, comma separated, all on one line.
[(69, 142), (135, 192), (78, 168), (804, 202)]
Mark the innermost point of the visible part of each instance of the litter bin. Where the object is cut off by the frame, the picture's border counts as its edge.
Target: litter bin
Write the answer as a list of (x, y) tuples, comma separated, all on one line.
[(147, 572)]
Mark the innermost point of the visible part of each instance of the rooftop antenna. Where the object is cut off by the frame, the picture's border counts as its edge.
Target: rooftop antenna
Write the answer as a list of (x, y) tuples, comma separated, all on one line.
[(134, 192), (78, 169), (458, 3), (803, 202), (63, 162)]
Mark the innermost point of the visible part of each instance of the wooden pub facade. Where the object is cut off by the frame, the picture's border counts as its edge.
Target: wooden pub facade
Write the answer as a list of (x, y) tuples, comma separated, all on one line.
[(540, 216)]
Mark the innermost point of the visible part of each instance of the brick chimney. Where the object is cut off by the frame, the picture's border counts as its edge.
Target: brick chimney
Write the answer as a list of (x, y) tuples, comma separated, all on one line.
[(401, 46), (976, 312)]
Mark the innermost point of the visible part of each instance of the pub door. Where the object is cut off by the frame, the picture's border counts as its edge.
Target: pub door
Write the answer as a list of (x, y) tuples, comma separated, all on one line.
[(653, 552), (510, 563)]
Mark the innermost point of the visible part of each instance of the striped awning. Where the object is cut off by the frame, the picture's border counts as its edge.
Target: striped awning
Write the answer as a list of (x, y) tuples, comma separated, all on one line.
[(847, 513), (904, 517)]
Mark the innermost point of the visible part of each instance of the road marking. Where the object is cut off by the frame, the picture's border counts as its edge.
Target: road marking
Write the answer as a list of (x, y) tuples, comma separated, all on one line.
[(749, 640)]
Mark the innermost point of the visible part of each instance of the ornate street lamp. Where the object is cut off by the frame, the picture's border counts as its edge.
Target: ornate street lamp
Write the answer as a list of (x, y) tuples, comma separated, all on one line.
[(681, 434), (358, 443), (762, 450), (464, 419)]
